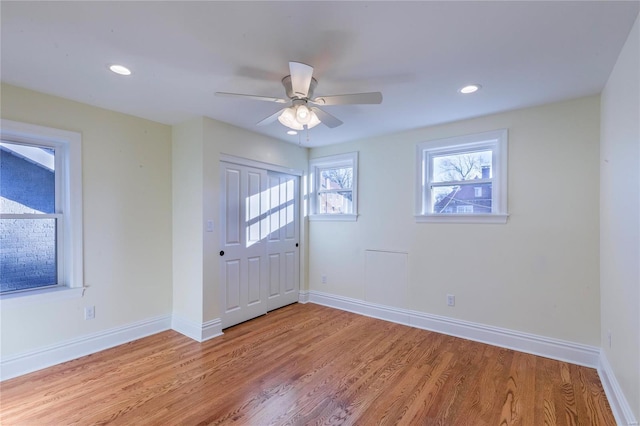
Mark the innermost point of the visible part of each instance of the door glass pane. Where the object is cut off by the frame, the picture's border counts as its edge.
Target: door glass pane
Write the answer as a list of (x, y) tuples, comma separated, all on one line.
[(27, 253), (27, 179)]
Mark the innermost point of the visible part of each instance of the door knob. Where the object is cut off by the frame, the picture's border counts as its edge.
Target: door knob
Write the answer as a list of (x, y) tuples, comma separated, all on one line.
[(221, 252), (296, 244)]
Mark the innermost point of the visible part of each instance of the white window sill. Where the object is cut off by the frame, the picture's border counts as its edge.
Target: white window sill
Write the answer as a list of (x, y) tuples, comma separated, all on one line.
[(334, 217), (21, 298), (462, 218)]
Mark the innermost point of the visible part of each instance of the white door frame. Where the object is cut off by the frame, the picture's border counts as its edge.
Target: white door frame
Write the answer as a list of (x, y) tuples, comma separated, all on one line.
[(260, 165)]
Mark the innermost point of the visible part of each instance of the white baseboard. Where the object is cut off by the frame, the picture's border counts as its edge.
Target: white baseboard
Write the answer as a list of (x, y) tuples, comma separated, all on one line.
[(38, 359), (561, 350), (197, 331), (303, 296), (619, 404)]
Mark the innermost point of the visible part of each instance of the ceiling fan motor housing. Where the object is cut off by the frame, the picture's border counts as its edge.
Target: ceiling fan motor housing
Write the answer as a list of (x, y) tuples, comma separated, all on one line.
[(286, 82)]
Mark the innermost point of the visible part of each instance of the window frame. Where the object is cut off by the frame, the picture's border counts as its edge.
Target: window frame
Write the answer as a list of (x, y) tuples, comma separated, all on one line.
[(316, 165), (497, 142), (68, 208)]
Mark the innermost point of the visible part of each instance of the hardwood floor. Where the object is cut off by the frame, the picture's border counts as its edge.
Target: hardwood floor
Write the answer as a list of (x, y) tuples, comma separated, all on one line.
[(308, 364)]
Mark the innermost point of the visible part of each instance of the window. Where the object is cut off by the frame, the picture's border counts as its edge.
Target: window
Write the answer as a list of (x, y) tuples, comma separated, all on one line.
[(463, 179), (40, 211), (334, 187)]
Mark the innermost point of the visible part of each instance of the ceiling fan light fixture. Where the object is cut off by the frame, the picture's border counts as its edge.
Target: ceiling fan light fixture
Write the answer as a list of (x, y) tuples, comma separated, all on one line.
[(289, 118)]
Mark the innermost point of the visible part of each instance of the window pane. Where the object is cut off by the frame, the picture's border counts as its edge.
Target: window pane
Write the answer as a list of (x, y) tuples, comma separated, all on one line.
[(464, 166), (461, 198), (337, 178), (27, 253), (27, 179), (335, 202)]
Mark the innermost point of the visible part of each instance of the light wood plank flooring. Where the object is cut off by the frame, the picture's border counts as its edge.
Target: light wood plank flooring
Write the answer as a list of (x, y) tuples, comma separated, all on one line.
[(308, 364)]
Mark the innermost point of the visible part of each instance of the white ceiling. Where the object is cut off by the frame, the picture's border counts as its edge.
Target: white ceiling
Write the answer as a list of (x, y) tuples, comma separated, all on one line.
[(416, 53)]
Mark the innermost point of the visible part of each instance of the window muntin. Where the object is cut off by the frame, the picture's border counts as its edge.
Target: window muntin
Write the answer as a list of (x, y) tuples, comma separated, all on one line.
[(40, 211), (333, 187), (463, 178)]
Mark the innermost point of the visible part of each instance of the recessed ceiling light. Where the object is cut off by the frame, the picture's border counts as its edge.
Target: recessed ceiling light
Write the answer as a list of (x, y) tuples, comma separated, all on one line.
[(292, 132), (120, 69), (470, 89)]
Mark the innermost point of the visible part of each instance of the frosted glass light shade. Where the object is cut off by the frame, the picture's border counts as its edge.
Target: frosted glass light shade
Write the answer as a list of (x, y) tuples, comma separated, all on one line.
[(289, 118), (303, 114), (314, 121)]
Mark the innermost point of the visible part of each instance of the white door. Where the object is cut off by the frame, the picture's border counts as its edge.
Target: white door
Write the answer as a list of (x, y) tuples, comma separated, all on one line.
[(242, 252), (283, 264)]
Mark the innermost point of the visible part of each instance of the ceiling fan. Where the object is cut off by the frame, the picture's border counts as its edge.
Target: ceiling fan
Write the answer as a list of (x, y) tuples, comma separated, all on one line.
[(299, 87)]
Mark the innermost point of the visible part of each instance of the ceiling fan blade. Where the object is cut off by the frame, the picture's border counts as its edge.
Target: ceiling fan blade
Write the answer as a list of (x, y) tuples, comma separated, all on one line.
[(255, 97), (301, 75), (326, 118), (270, 119), (356, 98)]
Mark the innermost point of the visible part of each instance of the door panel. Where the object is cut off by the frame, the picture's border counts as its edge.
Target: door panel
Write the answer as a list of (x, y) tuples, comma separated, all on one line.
[(274, 274), (284, 266), (242, 248), (232, 284), (253, 207), (290, 272), (232, 192), (254, 279)]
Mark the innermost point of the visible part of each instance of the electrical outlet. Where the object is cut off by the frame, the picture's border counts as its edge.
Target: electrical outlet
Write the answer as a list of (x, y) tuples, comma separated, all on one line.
[(323, 279), (451, 300), (89, 312)]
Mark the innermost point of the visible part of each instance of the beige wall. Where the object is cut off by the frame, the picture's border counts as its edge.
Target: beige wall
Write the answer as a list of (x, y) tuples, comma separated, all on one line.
[(537, 274), (187, 169), (620, 220), (127, 222)]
